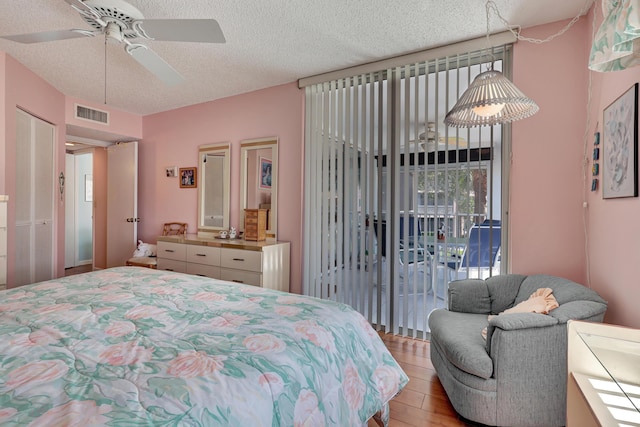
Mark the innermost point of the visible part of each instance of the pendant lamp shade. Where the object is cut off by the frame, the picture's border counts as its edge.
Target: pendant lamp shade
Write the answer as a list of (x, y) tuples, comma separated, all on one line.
[(616, 45), (490, 99)]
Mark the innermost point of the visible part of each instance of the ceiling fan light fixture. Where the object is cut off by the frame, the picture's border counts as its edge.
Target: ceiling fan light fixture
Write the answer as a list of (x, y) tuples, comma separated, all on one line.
[(490, 99), (113, 32)]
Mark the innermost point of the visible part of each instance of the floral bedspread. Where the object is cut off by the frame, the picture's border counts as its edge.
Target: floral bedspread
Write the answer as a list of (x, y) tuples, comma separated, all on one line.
[(131, 346)]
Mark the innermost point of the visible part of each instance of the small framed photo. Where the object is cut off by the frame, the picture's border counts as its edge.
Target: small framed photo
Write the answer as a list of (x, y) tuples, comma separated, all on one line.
[(620, 146), (188, 177), (265, 174), (171, 171)]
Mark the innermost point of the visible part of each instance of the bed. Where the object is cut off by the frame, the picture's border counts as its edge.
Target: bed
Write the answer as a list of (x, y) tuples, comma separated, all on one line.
[(130, 346)]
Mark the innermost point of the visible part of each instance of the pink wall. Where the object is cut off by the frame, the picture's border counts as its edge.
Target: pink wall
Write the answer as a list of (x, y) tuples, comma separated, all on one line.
[(3, 158), (172, 139), (28, 91), (613, 237), (547, 234), (548, 185)]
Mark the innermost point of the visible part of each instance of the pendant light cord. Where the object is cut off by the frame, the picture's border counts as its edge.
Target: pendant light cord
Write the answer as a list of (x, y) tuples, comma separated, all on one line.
[(586, 162), (491, 5), (105, 71)]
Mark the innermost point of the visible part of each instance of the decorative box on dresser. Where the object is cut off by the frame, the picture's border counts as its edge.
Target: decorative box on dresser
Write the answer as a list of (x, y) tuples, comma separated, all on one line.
[(3, 241), (264, 264), (255, 224)]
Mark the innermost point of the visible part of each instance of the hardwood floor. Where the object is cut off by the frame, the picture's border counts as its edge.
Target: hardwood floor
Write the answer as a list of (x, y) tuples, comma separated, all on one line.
[(77, 270), (423, 402)]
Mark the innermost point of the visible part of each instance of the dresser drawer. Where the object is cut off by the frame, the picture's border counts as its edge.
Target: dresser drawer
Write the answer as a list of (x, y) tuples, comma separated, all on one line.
[(3, 241), (172, 265), (240, 276), (203, 255), (3, 272), (170, 250), (203, 270), (241, 260)]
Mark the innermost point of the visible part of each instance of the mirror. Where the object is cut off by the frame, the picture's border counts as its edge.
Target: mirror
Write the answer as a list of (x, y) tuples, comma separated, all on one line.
[(259, 180), (213, 189)]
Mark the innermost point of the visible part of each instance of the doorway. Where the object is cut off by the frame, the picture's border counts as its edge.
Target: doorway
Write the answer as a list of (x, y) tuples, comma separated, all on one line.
[(79, 209)]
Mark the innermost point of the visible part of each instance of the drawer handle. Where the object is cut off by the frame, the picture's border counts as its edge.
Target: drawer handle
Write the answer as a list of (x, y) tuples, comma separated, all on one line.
[(201, 255), (169, 250), (169, 269), (238, 259), (201, 275), (237, 281)]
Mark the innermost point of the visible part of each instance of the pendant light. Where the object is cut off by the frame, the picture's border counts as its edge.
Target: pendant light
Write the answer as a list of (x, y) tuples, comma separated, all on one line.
[(490, 99)]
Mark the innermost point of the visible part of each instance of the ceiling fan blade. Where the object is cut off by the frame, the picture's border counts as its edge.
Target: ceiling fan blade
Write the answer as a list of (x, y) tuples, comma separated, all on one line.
[(156, 65), (80, 6), (181, 30), (48, 36)]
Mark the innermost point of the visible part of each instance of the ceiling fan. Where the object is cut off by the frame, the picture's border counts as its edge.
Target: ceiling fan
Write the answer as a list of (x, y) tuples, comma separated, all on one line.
[(121, 22), (429, 141)]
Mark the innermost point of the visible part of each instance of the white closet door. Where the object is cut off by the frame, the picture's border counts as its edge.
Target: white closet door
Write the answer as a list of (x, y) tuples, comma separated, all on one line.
[(35, 199), (23, 198), (122, 202)]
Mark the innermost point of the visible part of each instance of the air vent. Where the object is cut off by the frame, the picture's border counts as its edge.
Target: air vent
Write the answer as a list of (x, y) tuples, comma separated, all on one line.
[(92, 115)]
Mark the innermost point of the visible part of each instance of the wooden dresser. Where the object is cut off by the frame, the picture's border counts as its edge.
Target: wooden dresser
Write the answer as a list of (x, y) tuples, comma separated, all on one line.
[(264, 264)]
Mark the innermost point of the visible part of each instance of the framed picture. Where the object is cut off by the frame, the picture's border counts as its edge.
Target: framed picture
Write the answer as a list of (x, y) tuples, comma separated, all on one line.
[(265, 174), (171, 171), (188, 177), (620, 146)]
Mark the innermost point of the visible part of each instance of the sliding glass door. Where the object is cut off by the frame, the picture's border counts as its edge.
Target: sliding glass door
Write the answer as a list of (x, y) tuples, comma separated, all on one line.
[(396, 203)]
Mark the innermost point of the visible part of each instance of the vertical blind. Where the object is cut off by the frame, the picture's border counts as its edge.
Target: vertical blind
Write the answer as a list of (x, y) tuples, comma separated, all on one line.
[(396, 203)]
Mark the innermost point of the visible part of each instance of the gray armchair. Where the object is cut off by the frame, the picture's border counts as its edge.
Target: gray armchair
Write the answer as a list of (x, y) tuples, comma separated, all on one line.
[(518, 375)]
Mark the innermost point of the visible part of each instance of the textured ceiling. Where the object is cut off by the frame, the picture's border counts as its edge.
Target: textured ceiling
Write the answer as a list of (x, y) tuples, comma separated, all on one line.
[(269, 42)]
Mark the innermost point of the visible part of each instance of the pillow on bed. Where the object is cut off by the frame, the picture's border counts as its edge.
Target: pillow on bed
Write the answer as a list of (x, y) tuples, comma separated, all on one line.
[(541, 301)]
